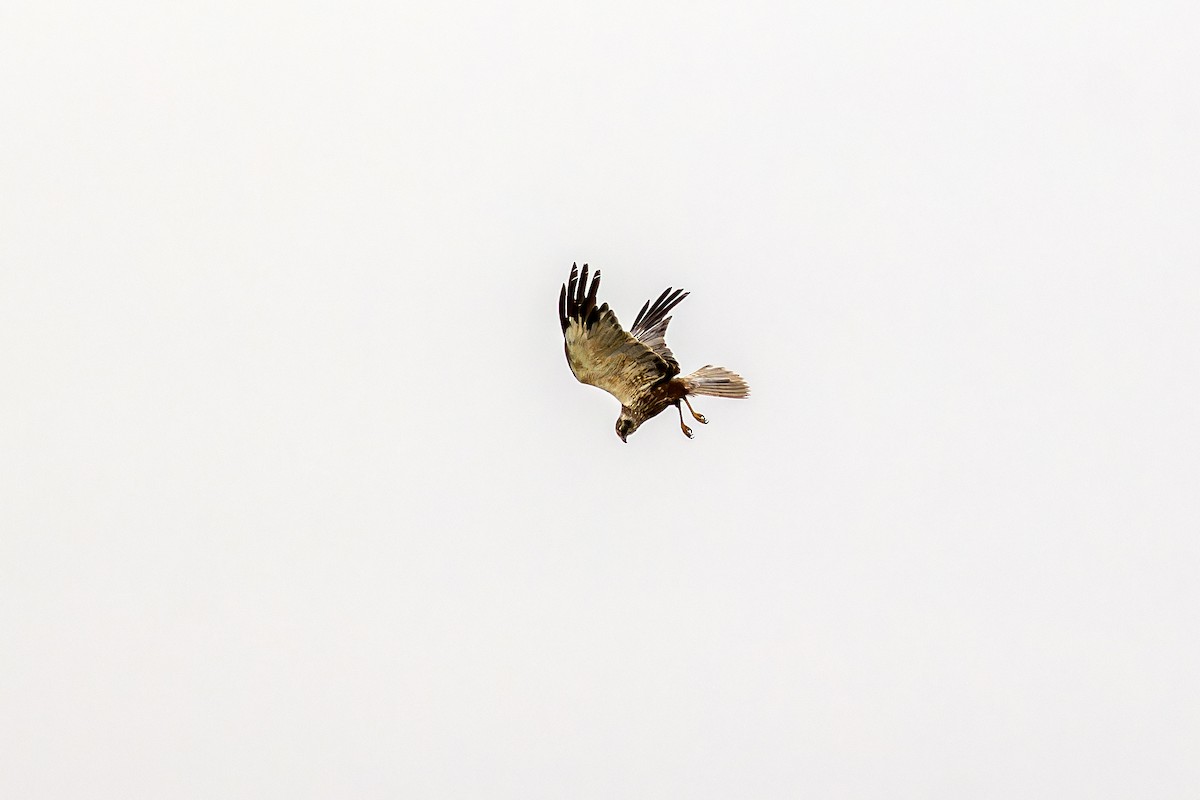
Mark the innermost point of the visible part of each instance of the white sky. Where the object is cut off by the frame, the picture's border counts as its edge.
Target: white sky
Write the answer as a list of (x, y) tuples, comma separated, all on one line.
[(299, 498)]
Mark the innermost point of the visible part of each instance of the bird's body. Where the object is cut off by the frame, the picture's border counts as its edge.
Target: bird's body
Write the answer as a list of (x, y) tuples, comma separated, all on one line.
[(634, 366)]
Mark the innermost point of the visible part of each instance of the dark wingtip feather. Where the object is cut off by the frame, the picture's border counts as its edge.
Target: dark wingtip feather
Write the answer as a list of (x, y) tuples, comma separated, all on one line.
[(640, 315), (595, 288), (666, 301), (572, 282), (578, 298)]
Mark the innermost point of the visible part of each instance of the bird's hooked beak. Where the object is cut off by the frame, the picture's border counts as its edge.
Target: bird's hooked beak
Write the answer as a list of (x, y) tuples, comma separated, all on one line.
[(622, 437)]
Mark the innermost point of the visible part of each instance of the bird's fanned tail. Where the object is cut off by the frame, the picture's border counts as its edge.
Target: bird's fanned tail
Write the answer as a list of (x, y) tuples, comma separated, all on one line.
[(716, 382)]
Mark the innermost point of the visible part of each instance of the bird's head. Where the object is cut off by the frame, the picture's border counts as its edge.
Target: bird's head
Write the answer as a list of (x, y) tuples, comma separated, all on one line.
[(626, 424)]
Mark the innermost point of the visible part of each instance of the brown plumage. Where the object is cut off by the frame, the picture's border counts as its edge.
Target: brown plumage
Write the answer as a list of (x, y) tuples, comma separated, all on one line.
[(634, 366)]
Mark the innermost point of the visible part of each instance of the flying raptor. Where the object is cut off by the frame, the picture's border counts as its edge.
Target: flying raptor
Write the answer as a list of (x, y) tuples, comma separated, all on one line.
[(634, 366)]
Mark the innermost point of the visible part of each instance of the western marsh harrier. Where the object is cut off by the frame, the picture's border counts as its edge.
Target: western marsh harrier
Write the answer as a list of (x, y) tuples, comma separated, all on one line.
[(634, 366)]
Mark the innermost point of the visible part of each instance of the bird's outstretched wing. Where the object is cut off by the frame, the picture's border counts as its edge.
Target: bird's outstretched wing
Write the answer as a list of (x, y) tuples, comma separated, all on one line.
[(599, 351), (651, 325)]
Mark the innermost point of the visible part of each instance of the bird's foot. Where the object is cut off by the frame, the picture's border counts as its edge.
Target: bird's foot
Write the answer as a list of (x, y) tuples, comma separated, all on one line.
[(687, 431), (698, 417)]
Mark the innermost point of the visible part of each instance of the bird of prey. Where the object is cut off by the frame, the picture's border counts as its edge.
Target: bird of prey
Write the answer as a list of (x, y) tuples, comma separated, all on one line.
[(634, 366)]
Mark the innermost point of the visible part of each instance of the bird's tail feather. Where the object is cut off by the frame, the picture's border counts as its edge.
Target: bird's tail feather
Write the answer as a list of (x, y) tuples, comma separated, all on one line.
[(716, 382)]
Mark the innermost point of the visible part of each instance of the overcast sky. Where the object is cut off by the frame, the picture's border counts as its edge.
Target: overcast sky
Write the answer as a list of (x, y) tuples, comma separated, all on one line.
[(299, 498)]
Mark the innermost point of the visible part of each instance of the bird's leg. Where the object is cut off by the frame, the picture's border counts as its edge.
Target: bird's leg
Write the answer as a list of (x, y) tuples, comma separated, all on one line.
[(699, 417), (686, 430)]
